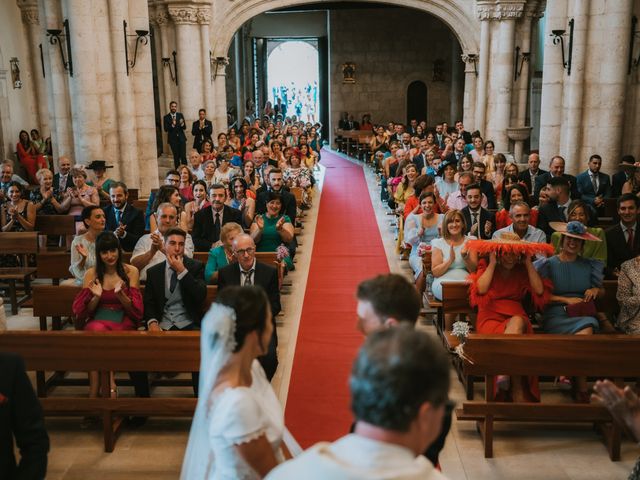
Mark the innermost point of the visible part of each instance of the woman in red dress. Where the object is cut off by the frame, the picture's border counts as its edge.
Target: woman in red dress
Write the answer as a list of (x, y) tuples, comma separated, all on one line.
[(29, 157), (498, 288)]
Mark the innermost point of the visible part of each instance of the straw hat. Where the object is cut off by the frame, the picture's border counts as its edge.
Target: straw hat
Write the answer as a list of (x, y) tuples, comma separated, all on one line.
[(509, 242), (574, 230), (629, 166)]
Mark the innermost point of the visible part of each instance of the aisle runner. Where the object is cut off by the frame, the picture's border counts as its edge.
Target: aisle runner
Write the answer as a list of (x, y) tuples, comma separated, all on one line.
[(347, 249)]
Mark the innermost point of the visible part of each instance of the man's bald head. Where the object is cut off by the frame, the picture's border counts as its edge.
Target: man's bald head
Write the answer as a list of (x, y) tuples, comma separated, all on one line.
[(244, 249)]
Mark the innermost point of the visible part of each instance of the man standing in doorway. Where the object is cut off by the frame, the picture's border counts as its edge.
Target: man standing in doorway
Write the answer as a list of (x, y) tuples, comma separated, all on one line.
[(174, 125)]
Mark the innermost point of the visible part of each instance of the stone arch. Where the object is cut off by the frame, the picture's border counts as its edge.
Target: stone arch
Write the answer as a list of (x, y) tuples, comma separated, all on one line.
[(456, 14)]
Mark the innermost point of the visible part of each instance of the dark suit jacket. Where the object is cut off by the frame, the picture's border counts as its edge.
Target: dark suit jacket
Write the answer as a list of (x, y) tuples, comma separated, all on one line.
[(265, 276), (288, 204), (549, 213), (466, 136), (201, 134), (20, 418), (525, 178), (585, 187), (617, 182), (451, 158), (617, 249), (192, 287), (419, 161), (485, 215), (203, 232), (541, 181), (486, 187), (62, 188), (175, 135), (133, 219)]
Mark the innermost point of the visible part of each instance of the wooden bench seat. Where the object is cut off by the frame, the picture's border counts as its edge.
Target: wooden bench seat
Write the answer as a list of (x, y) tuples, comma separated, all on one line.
[(22, 245), (601, 356), (104, 352)]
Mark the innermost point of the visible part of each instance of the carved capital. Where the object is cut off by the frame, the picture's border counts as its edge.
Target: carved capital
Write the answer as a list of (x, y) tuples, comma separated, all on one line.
[(499, 9), (159, 17), (182, 15), (469, 57), (30, 14), (535, 9), (204, 16)]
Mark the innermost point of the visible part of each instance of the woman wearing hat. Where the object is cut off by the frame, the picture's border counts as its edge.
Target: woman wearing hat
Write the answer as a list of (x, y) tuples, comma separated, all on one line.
[(497, 289), (577, 282), (580, 212), (101, 181)]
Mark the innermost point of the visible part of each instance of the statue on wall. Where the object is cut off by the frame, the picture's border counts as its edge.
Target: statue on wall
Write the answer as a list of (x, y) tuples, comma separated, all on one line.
[(349, 72)]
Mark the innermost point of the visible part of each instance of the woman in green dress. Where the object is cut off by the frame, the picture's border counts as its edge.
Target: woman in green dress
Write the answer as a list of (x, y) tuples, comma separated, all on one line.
[(273, 228), (221, 255), (579, 211)]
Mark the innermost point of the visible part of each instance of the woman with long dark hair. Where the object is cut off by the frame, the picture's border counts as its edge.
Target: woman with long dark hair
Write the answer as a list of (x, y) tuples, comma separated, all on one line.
[(169, 194), (29, 157)]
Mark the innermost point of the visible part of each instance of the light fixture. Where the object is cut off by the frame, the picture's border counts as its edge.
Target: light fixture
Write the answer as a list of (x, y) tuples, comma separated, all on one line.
[(520, 58), (15, 72), (56, 36), (166, 62), (558, 38), (633, 62), (142, 37), (219, 62)]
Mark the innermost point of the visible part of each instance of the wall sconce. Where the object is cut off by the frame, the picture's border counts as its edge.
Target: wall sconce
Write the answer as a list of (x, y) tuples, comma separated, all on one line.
[(42, 61), (56, 36), (15, 72), (634, 33), (166, 62), (217, 63), (520, 58), (473, 58), (142, 37), (558, 37)]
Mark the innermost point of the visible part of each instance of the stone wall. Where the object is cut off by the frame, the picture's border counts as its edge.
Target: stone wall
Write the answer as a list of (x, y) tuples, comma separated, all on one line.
[(391, 48)]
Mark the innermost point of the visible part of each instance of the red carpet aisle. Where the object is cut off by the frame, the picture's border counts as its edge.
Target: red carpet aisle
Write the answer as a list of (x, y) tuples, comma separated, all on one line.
[(347, 249)]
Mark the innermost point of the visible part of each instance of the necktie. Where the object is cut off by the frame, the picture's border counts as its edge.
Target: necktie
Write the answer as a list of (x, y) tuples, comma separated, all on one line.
[(475, 218), (247, 277), (562, 209), (216, 226), (630, 238), (118, 216), (594, 182), (174, 281)]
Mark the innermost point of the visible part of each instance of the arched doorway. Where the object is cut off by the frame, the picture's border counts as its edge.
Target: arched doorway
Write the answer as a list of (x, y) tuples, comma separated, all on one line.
[(417, 101)]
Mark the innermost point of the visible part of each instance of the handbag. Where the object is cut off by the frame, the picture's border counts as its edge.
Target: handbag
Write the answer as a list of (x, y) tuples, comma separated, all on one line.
[(582, 309)]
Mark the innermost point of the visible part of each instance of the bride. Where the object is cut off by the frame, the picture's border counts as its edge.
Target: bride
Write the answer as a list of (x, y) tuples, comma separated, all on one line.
[(238, 427)]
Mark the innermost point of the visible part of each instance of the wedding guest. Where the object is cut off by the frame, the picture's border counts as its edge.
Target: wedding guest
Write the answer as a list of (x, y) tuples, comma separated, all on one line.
[(83, 251), (222, 255), (82, 195), (200, 201), (28, 155)]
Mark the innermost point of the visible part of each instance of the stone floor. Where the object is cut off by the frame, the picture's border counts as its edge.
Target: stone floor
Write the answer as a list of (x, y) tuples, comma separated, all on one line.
[(155, 451)]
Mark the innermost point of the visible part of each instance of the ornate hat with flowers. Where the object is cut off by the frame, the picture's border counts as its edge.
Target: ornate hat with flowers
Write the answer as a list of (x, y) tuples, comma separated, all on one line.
[(574, 229), (509, 242)]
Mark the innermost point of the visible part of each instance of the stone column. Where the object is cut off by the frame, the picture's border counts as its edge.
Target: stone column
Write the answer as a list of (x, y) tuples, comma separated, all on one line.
[(35, 35), (470, 77), (204, 19), (553, 74), (220, 99), (240, 92), (572, 133), (456, 86), (160, 18), (483, 76), (185, 18), (522, 85)]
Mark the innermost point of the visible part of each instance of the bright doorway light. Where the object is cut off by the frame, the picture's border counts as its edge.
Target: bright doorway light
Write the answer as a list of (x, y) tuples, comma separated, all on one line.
[(292, 76)]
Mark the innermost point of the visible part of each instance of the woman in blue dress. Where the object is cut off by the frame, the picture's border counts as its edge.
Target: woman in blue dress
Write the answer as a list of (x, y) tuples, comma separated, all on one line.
[(576, 281), (422, 228), (221, 255)]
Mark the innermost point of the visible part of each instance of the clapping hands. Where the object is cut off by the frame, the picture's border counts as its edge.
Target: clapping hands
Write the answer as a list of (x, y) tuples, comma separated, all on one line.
[(96, 288), (82, 250)]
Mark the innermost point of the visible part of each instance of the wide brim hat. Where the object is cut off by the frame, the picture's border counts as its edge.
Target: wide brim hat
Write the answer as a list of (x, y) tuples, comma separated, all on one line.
[(509, 242), (574, 230), (629, 166), (98, 165), (444, 165)]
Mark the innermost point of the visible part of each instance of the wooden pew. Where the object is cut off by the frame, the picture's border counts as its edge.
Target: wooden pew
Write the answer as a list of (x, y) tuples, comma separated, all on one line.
[(59, 225), (21, 244), (104, 352), (602, 356)]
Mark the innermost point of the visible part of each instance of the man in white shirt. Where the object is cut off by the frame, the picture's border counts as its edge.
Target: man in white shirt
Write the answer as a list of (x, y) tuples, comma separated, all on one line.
[(519, 213), (149, 249), (396, 416), (195, 164), (458, 199)]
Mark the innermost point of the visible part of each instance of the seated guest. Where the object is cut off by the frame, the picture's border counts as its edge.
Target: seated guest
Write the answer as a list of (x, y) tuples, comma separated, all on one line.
[(169, 194), (273, 228), (496, 177), (512, 194), (101, 180), (422, 228), (623, 239), (628, 296), (21, 420), (299, 176), (556, 169), (247, 271), (83, 247), (458, 200), (497, 289), (7, 176), (221, 255), (224, 172), (623, 174), (82, 195), (424, 183), (528, 176), (520, 224), (555, 210), (465, 165), (450, 259), (243, 200), (577, 282), (593, 185), (632, 185), (579, 211), (17, 214), (122, 218), (405, 187), (150, 249), (276, 184), (110, 299), (209, 169), (200, 201), (486, 187), (250, 176), (445, 182), (209, 220), (172, 178), (480, 222), (196, 160), (390, 436), (28, 155), (62, 180), (186, 183)]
